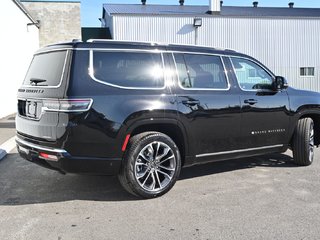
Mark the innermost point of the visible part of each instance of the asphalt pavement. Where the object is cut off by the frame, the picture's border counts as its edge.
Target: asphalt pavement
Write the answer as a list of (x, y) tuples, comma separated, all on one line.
[(254, 198)]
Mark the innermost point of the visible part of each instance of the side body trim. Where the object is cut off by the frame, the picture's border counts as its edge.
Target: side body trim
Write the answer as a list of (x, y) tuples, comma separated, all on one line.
[(238, 151)]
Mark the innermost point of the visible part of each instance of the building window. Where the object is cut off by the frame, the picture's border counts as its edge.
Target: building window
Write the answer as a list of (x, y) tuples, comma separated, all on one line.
[(307, 71)]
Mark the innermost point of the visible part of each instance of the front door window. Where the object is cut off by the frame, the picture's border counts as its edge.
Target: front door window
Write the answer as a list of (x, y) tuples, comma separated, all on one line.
[(250, 75)]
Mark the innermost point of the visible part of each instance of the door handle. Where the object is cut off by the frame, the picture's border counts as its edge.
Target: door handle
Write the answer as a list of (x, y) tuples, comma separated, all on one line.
[(250, 101), (191, 102)]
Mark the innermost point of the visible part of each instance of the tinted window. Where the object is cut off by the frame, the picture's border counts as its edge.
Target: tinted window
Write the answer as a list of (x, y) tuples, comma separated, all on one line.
[(250, 75), (201, 71), (46, 69), (143, 70)]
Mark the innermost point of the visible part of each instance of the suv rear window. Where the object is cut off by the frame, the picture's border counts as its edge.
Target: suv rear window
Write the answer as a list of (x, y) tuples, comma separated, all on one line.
[(46, 69), (128, 69)]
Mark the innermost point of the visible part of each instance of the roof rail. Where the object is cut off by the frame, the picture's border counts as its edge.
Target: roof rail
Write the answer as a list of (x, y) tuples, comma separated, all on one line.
[(125, 41), (76, 40), (203, 46), (156, 43)]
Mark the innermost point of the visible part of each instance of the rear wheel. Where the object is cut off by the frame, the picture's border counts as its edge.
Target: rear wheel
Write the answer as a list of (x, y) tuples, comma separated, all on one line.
[(303, 142), (151, 165)]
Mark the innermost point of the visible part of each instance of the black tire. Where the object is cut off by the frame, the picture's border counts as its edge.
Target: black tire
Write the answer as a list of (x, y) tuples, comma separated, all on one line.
[(303, 142), (151, 165)]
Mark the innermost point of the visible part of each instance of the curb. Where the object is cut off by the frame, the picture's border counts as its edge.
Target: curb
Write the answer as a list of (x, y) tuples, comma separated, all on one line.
[(7, 147)]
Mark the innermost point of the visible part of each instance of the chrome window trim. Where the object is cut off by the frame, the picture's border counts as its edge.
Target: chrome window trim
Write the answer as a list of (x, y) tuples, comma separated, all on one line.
[(35, 146), (238, 151), (202, 89), (225, 72), (251, 60), (91, 70), (62, 74)]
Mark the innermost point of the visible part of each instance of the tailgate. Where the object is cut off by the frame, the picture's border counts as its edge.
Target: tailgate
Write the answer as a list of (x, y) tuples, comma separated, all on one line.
[(45, 82)]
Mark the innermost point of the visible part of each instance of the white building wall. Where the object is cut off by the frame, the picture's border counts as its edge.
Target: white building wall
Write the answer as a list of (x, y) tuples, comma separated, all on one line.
[(282, 44), (18, 43)]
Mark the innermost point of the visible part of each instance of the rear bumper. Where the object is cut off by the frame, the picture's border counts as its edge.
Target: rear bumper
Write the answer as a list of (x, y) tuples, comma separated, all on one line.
[(65, 162)]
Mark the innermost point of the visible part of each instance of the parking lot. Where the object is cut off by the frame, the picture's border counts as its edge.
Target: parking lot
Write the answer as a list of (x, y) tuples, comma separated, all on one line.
[(254, 198)]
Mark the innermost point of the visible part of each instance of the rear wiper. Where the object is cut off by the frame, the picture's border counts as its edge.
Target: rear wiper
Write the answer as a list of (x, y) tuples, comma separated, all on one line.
[(37, 80)]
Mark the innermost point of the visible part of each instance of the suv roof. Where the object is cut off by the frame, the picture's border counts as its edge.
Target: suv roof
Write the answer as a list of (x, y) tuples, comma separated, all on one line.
[(106, 43)]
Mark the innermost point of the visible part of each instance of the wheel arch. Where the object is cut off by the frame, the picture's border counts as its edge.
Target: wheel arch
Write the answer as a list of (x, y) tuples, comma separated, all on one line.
[(172, 128), (315, 116)]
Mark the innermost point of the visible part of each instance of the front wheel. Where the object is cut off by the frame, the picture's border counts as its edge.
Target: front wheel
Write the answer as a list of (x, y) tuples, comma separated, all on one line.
[(151, 165), (303, 142)]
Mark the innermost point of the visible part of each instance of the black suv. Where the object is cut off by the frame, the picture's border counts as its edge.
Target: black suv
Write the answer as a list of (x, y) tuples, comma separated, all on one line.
[(144, 110)]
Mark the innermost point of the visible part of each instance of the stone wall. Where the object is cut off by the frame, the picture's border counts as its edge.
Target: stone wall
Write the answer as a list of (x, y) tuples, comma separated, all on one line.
[(59, 21)]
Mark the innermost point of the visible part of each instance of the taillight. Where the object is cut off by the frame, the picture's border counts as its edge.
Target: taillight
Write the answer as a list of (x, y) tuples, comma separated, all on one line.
[(67, 105), (47, 156)]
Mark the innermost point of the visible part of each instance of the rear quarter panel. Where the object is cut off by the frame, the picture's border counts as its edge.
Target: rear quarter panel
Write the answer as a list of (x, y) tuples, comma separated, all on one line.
[(115, 111)]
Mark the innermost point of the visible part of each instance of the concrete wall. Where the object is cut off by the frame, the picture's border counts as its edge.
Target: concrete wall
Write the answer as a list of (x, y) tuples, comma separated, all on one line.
[(59, 21), (18, 43), (283, 44)]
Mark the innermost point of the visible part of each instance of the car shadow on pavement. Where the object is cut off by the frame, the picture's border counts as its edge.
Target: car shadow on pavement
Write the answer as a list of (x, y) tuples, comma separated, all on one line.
[(23, 183)]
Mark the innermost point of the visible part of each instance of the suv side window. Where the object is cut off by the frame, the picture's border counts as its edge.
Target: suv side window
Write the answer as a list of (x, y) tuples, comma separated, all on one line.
[(200, 71), (250, 75), (128, 69)]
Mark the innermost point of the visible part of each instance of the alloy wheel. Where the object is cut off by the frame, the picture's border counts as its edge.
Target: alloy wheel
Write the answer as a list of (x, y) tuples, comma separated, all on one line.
[(155, 166), (311, 143)]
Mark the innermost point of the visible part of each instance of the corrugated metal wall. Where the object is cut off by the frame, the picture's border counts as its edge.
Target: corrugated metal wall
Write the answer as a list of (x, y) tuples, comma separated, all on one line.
[(284, 45)]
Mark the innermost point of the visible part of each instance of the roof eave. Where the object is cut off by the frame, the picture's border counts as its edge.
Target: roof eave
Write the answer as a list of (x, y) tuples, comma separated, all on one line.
[(24, 10), (211, 16)]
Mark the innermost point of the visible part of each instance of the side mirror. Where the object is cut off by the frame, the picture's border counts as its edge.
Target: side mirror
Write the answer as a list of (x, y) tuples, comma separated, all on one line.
[(280, 83)]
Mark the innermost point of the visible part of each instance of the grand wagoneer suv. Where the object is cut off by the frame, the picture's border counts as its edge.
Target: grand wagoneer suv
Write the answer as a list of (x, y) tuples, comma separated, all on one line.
[(144, 110)]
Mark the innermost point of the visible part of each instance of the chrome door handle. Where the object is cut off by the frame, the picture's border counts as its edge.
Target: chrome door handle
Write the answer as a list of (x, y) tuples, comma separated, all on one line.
[(191, 102), (250, 101)]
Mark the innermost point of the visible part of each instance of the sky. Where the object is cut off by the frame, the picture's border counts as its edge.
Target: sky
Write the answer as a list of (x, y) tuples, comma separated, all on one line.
[(91, 10)]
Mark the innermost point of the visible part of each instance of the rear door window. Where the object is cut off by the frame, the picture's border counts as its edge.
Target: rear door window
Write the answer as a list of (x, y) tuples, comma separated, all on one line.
[(200, 71), (128, 69), (46, 69)]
